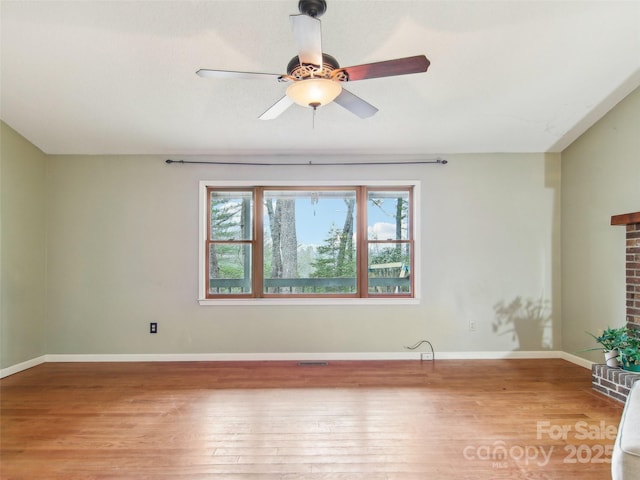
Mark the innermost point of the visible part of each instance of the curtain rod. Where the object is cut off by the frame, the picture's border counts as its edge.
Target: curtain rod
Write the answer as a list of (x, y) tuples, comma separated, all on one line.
[(438, 161)]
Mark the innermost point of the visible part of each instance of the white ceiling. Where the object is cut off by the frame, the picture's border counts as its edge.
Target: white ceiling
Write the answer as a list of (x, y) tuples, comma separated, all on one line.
[(114, 77)]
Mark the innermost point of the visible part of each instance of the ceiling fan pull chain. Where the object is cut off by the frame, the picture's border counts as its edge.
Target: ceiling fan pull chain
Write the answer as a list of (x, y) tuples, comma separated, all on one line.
[(315, 106)]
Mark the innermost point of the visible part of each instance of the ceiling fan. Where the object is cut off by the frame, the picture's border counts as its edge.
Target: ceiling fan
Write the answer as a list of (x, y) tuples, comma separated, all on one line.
[(316, 77)]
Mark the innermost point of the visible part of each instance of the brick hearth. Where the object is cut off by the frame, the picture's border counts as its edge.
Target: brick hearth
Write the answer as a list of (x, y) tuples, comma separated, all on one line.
[(615, 382)]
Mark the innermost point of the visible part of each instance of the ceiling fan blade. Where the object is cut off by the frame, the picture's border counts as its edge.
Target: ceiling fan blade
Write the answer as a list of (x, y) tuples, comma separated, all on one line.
[(205, 73), (308, 36), (388, 68), (276, 109), (355, 104)]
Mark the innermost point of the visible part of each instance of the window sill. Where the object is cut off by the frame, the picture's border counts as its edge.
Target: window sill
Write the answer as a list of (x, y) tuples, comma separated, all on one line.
[(308, 301)]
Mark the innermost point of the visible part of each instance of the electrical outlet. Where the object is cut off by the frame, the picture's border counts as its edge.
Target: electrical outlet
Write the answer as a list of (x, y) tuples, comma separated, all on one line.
[(153, 327), (472, 325), (426, 356)]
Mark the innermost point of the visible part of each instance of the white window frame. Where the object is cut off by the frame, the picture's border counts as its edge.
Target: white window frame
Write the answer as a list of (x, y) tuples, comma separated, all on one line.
[(202, 237)]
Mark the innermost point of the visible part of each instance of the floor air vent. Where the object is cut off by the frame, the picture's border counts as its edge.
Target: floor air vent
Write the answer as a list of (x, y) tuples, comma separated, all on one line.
[(313, 364)]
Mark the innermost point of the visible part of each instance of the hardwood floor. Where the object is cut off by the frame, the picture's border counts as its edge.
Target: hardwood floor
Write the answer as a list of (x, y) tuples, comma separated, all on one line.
[(387, 420)]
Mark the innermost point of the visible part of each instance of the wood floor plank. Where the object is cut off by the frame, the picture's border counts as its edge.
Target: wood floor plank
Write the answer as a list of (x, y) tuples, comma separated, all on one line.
[(490, 419)]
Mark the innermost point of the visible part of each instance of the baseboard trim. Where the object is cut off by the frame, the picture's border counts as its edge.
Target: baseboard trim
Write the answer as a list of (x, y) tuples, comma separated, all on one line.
[(300, 356), (12, 370), (569, 357), (234, 357), (489, 355)]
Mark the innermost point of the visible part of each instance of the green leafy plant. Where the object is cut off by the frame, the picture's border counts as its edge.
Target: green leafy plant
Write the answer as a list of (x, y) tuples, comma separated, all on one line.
[(610, 338), (629, 350)]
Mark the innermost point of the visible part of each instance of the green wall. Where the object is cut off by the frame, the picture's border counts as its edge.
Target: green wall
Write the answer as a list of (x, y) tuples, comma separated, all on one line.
[(23, 203), (123, 252), (600, 178)]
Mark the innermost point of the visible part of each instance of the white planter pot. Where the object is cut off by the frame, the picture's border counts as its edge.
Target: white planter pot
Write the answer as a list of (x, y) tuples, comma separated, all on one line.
[(611, 359)]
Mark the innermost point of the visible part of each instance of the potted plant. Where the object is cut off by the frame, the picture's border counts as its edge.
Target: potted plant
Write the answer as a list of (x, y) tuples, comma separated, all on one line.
[(610, 340), (630, 351)]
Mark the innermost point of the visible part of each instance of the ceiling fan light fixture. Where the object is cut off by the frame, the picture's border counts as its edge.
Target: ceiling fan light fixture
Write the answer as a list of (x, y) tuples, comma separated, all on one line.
[(314, 92)]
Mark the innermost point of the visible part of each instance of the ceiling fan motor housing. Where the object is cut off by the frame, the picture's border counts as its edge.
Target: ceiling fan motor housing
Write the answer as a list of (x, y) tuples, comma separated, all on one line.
[(330, 68), (313, 8)]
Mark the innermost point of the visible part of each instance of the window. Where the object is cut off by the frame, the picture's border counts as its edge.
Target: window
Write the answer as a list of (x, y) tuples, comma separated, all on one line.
[(312, 241)]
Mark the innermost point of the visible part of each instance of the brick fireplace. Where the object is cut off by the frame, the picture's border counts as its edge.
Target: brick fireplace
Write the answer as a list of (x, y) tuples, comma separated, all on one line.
[(632, 222), (615, 382)]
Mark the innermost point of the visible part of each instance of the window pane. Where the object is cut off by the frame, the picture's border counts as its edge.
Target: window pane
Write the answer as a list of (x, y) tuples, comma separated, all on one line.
[(231, 215), (389, 268), (388, 215), (309, 242), (229, 268)]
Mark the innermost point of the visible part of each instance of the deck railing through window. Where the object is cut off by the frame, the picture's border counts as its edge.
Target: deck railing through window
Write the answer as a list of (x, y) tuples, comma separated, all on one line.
[(295, 286)]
